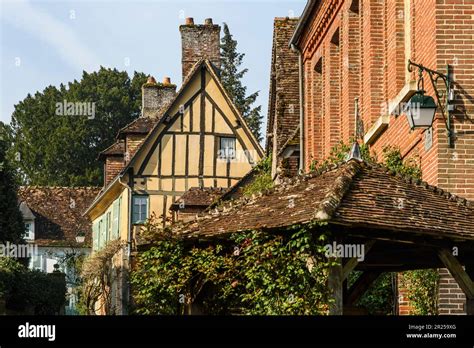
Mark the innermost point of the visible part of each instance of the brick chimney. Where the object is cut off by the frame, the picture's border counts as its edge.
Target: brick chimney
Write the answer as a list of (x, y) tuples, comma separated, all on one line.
[(156, 96), (199, 41)]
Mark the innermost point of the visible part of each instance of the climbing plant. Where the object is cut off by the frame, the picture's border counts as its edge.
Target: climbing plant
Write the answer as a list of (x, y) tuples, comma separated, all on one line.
[(252, 272), (422, 290), (249, 273), (98, 275)]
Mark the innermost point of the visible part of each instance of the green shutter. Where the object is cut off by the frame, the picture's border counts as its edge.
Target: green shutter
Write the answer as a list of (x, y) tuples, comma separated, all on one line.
[(115, 219), (146, 209), (102, 232), (95, 236)]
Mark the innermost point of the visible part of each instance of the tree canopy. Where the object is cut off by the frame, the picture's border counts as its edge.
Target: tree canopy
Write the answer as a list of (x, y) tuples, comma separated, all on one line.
[(12, 226), (58, 133), (231, 78)]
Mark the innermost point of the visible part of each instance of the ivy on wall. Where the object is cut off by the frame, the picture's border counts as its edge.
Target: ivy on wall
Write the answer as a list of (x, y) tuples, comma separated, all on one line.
[(249, 273)]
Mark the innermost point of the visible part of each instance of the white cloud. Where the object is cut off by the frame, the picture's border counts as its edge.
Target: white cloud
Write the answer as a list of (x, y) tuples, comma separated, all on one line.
[(41, 24)]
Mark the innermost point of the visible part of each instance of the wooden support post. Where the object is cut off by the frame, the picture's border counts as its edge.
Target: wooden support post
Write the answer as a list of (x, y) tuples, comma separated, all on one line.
[(335, 287), (470, 302), (462, 277), (360, 287)]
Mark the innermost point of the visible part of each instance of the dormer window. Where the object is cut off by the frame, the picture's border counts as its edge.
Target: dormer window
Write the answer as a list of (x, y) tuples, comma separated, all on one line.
[(29, 230)]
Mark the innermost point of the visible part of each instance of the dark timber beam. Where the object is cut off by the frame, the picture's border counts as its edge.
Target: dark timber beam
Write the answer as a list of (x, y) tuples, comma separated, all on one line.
[(462, 277), (360, 286), (352, 263), (470, 302)]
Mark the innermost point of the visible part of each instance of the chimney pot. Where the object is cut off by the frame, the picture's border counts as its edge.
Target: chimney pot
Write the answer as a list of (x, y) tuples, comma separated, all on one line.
[(166, 81), (189, 21), (200, 42), (151, 80)]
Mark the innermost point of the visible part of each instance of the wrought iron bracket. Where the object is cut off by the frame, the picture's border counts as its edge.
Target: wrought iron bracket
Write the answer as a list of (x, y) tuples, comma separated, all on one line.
[(443, 98)]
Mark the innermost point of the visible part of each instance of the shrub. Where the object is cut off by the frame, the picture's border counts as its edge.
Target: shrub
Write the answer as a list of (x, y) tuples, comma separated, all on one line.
[(22, 288)]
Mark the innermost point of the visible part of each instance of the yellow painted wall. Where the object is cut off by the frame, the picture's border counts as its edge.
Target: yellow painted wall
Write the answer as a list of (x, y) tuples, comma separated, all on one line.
[(158, 186)]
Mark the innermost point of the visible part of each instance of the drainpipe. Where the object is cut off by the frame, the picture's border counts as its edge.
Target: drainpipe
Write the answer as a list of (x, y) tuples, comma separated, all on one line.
[(301, 102)]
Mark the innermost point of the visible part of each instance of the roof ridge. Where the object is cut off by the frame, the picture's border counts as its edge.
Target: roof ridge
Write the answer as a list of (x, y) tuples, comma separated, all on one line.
[(58, 187), (338, 189)]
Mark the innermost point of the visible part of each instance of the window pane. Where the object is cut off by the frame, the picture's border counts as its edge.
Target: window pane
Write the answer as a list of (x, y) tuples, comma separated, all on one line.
[(139, 209), (227, 148)]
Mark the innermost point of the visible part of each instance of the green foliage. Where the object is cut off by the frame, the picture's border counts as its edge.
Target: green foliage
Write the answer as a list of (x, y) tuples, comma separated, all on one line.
[(12, 227), (338, 154), (22, 288), (263, 178), (422, 290), (231, 78), (393, 160), (60, 150), (380, 297), (252, 273)]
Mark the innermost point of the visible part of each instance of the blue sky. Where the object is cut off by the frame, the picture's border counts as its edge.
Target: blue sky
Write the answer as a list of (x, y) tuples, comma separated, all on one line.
[(47, 42)]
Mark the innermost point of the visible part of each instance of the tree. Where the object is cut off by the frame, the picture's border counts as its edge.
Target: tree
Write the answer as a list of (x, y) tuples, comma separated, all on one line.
[(231, 78), (52, 146), (12, 226)]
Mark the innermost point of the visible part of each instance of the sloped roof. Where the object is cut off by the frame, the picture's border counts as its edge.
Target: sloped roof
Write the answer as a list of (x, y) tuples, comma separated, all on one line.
[(351, 194), (141, 125), (212, 70), (58, 213), (214, 73), (116, 149), (197, 196), (283, 104)]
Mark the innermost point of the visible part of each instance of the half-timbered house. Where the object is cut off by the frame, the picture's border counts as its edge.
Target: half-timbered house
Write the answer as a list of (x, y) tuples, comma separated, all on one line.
[(192, 138)]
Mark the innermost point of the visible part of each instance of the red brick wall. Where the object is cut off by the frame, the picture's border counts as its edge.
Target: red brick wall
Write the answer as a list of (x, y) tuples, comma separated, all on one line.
[(371, 64), (350, 69), (113, 166), (372, 91)]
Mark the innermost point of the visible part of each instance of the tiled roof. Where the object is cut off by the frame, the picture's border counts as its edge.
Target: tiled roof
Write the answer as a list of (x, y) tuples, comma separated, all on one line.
[(351, 194), (284, 84), (196, 196), (141, 125), (57, 212), (116, 149), (236, 190), (149, 136)]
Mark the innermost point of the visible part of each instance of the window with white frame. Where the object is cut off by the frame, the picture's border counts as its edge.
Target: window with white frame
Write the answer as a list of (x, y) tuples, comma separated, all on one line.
[(139, 209), (226, 148), (29, 230)]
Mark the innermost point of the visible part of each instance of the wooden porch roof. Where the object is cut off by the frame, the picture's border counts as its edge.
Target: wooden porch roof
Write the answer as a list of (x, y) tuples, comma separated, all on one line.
[(355, 195)]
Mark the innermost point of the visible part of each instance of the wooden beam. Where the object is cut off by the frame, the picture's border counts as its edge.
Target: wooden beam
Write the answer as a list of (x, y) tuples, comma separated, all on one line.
[(470, 302), (335, 287), (458, 272), (360, 286), (352, 263)]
